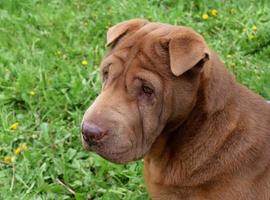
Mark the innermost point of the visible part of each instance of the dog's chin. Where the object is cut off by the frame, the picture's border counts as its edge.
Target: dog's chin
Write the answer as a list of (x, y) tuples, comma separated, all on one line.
[(114, 157), (117, 157)]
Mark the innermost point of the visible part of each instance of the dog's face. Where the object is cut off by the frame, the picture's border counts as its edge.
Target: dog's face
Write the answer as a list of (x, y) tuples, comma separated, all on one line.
[(150, 76)]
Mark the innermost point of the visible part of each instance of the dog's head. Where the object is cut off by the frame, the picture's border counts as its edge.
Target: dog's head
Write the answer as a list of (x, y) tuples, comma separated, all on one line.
[(151, 75)]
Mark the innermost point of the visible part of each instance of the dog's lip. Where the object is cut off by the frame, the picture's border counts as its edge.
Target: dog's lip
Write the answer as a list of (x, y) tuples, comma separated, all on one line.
[(97, 147), (92, 142)]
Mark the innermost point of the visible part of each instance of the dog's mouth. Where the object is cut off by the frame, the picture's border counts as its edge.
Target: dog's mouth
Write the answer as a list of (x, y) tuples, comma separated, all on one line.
[(119, 155)]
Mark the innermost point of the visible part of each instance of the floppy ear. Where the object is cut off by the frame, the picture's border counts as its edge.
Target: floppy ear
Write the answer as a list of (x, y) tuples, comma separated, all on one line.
[(186, 50), (116, 32)]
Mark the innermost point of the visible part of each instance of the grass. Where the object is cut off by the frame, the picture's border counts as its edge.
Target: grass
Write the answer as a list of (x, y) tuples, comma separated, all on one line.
[(49, 57)]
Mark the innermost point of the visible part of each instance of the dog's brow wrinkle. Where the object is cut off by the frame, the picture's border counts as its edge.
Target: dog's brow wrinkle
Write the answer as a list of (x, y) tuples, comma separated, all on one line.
[(160, 73), (144, 31), (117, 41), (137, 36), (136, 40), (120, 58), (147, 58)]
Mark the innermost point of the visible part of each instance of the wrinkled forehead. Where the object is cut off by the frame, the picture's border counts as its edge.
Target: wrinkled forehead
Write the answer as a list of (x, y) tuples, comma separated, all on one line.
[(144, 42), (150, 32)]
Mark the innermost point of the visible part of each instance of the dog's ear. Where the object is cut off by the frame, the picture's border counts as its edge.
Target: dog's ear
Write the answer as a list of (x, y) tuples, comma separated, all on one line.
[(119, 30), (187, 50)]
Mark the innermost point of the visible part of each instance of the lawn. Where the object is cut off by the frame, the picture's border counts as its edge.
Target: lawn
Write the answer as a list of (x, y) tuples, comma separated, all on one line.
[(49, 57)]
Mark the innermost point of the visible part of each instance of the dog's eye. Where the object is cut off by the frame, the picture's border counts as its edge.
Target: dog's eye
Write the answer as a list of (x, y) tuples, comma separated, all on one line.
[(105, 74), (147, 90)]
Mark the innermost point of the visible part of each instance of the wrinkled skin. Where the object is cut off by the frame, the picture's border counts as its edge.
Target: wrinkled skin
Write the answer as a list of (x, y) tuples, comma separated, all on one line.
[(139, 95)]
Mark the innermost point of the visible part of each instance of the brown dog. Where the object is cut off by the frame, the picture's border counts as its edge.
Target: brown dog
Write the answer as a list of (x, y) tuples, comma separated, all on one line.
[(168, 98)]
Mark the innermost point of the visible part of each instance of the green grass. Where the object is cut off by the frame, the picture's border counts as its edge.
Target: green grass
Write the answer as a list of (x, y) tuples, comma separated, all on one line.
[(42, 45)]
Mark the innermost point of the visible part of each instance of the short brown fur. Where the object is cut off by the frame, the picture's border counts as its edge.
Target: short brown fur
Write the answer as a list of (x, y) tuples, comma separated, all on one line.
[(201, 133)]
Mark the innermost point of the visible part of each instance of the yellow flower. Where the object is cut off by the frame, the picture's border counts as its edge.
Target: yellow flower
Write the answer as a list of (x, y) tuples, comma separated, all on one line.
[(32, 93), (205, 17), (20, 149), (214, 12), (84, 62), (14, 126), (8, 160), (254, 28), (244, 29)]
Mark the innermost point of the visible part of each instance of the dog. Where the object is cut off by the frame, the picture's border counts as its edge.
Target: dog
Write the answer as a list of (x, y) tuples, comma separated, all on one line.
[(167, 98)]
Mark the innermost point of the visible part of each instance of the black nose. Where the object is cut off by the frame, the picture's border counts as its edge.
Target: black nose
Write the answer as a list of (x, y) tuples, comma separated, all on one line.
[(92, 132)]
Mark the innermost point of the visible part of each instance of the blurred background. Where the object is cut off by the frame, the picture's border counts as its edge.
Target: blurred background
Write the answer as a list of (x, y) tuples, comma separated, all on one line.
[(49, 58)]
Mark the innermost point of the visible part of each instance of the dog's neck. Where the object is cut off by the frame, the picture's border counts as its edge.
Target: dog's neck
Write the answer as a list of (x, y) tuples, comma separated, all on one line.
[(187, 153)]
